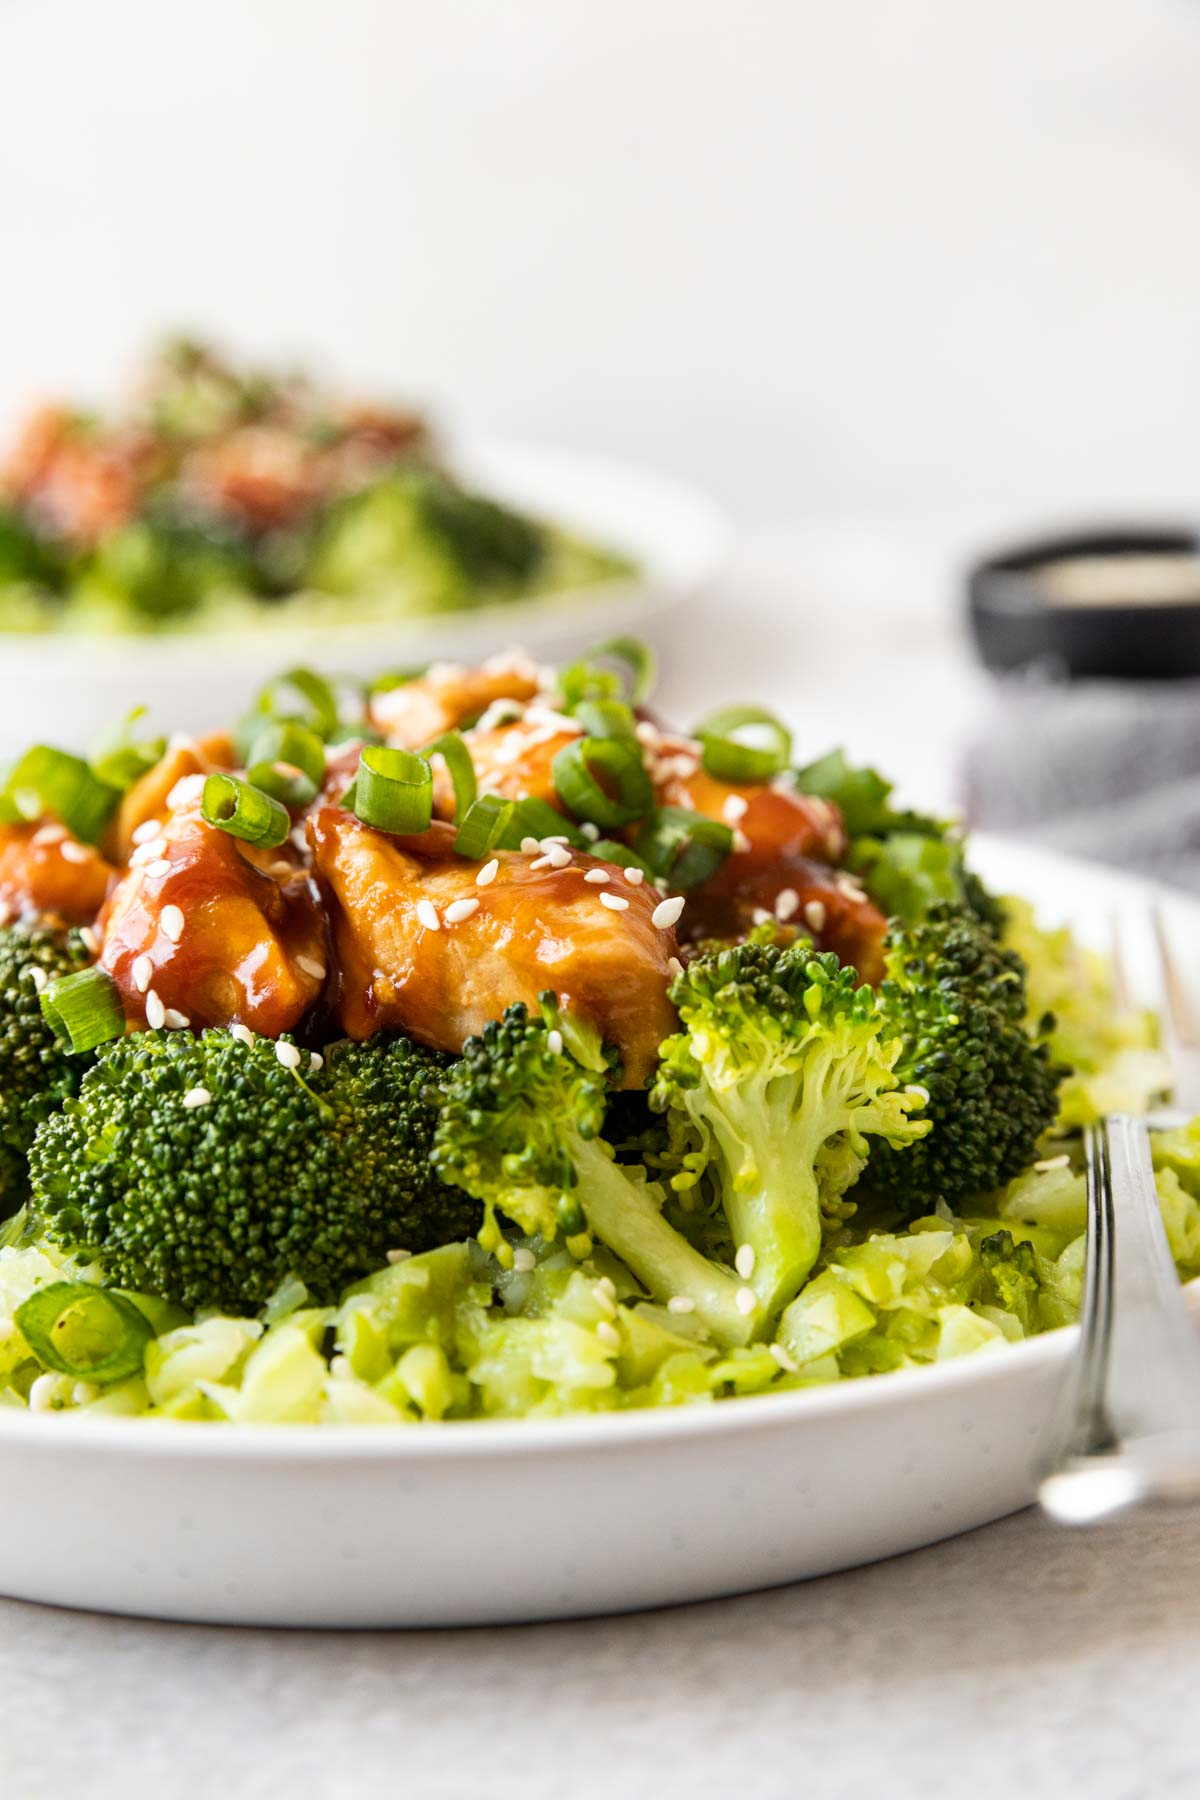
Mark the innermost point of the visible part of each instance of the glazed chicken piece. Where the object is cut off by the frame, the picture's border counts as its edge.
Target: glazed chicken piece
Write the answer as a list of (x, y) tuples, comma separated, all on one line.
[(784, 866), (43, 869), (205, 930), (263, 475), (150, 796), (423, 948), (449, 696)]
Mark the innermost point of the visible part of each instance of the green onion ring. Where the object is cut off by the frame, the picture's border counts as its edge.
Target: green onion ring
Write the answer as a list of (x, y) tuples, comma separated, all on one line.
[(683, 848), (728, 755), (574, 769), (484, 826), (393, 790), (452, 748), (88, 1332), (48, 781), (284, 742), (606, 718), (534, 818), (83, 1010), (244, 811), (638, 658), (118, 759)]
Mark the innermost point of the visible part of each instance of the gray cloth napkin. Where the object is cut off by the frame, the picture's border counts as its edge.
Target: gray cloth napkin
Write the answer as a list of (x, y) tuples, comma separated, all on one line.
[(1109, 770)]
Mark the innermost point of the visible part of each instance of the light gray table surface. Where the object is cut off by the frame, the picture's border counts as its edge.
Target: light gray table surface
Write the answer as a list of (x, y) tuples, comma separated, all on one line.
[(1015, 1661)]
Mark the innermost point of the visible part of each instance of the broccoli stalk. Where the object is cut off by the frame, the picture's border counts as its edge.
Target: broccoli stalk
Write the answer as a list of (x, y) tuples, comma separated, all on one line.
[(520, 1130), (782, 1072)]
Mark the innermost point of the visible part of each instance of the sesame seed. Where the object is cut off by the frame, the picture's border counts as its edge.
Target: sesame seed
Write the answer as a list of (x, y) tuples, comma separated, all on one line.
[(90, 940), (43, 1393), (147, 852), (554, 1041), (186, 789), (530, 846), (745, 1300), (197, 1096), (607, 1332), (156, 1012), (681, 1303), (428, 916), (760, 916), (787, 1363), (542, 862), (1051, 1162), (72, 852), (523, 1261), (597, 877), (310, 966), (614, 902), (143, 833), (674, 966), (242, 1033), (741, 842), (849, 888), (142, 972), (560, 855), (743, 1262), (589, 831), (635, 877), (734, 808), (288, 1055), (487, 874), (175, 1020), (557, 837), (37, 976), (661, 885), (172, 923), (155, 870), (298, 838), (458, 910), (667, 912), (814, 915), (315, 1061), (787, 904), (49, 834), (399, 1256)]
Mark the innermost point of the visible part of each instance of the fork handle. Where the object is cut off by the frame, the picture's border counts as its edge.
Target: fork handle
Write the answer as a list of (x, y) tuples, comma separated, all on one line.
[(1128, 1427)]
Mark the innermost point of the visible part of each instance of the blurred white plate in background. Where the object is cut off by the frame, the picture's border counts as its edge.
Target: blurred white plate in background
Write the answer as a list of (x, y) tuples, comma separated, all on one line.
[(65, 689), (499, 1520)]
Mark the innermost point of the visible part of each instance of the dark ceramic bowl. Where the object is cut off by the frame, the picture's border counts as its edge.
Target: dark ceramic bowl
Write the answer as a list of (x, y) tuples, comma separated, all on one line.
[(1018, 620)]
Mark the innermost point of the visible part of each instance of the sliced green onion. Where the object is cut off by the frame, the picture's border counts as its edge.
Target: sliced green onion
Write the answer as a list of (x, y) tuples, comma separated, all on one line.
[(606, 718), (627, 794), (484, 826), (608, 850), (244, 811), (83, 1010), (683, 848), (300, 695), (393, 790), (534, 818), (452, 749), (46, 780), (586, 680), (119, 759), (351, 733), (296, 747), (88, 1332), (744, 743)]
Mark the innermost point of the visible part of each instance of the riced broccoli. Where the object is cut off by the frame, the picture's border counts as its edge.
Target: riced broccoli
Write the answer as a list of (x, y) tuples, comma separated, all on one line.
[(957, 999), (783, 1077), (204, 1169), (36, 1073)]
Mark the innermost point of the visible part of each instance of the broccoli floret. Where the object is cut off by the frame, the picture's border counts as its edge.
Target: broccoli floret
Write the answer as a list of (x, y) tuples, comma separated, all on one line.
[(520, 1129), (784, 1073), (36, 1073), (203, 1170), (1012, 1270), (957, 998)]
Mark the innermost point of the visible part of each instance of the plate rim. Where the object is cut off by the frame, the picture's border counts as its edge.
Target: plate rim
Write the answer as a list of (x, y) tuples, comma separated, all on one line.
[(584, 1432)]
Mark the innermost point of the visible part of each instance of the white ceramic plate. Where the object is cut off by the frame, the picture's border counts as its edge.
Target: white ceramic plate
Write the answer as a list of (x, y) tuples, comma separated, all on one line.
[(67, 689), (499, 1521)]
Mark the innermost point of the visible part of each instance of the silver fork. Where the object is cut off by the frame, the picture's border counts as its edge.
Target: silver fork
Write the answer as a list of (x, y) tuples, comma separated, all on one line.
[(1128, 1426)]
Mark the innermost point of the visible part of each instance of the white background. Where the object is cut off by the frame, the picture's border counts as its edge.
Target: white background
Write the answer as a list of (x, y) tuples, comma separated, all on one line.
[(829, 257)]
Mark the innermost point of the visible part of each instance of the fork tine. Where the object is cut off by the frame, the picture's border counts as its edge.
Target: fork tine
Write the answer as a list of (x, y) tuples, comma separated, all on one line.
[(1181, 1004)]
